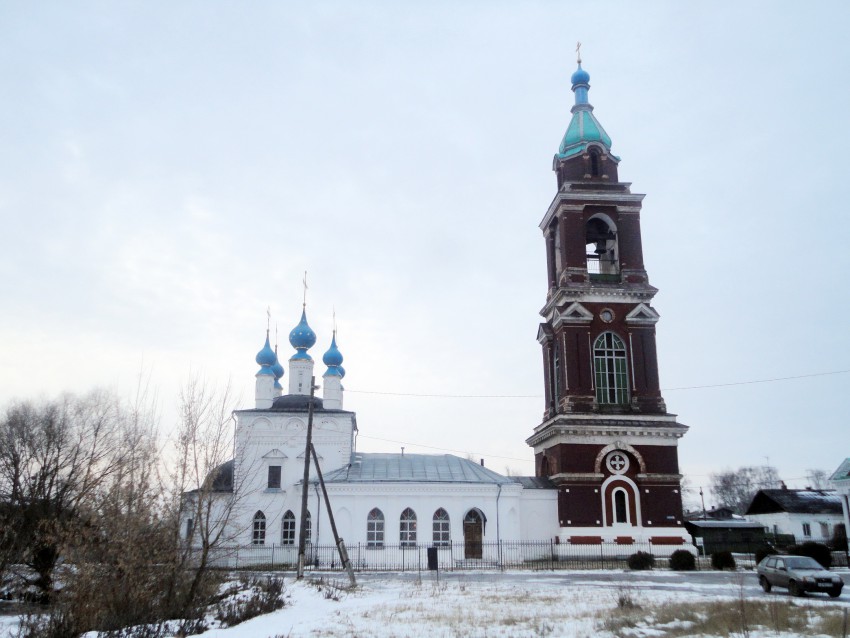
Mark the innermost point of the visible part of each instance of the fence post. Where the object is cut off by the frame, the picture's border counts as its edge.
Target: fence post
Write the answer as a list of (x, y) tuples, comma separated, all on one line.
[(602, 554)]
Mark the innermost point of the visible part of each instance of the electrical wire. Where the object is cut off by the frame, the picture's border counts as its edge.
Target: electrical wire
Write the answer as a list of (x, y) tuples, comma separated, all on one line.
[(446, 449), (539, 396)]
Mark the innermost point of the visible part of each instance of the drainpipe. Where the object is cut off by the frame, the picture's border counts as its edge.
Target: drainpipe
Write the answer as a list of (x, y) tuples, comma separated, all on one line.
[(498, 531)]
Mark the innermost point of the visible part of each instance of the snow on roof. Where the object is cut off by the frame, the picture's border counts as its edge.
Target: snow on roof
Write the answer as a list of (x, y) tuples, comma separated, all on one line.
[(414, 468), (736, 524), (795, 502)]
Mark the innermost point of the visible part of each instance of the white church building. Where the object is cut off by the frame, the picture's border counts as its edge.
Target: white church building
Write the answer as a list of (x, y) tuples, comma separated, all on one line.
[(385, 504)]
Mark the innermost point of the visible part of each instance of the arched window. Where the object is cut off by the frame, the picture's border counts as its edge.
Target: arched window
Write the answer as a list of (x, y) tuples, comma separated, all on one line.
[(308, 530), (287, 529), (544, 467), (601, 248), (595, 162), (442, 534), (556, 371), (621, 508), (375, 528), (258, 536), (407, 528), (609, 366)]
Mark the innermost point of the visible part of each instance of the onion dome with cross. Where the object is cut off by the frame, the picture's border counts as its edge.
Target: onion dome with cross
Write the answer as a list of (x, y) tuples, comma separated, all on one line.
[(266, 358), (302, 338)]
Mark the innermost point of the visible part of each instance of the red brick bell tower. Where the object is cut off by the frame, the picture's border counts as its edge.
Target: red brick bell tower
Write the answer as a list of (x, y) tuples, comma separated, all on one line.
[(606, 440)]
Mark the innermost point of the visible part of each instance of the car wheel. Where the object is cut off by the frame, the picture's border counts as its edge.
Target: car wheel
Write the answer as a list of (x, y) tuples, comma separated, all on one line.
[(765, 584), (834, 593), (794, 589)]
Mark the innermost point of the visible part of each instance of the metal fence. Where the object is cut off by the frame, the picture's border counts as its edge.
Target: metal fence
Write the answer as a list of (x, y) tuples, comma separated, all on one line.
[(455, 556)]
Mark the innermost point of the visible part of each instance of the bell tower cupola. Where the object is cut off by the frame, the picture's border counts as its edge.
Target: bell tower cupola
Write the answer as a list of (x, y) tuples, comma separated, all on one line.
[(585, 150)]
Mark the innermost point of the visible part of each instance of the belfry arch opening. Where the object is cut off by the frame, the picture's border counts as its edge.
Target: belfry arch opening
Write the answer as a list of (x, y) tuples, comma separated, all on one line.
[(601, 249)]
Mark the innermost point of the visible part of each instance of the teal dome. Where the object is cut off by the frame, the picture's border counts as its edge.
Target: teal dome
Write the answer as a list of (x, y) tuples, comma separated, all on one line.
[(584, 128)]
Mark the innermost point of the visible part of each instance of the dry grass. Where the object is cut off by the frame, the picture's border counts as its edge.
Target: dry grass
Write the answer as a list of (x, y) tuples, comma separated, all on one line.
[(727, 618)]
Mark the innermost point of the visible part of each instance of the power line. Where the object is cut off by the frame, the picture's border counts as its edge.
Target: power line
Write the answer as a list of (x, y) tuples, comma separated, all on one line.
[(444, 449), (722, 385), (539, 396)]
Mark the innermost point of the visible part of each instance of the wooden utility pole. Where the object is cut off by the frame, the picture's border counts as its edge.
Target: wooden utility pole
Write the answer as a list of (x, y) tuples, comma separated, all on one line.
[(305, 484), (340, 545)]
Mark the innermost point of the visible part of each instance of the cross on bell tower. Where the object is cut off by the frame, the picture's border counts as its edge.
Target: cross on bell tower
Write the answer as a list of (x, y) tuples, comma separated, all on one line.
[(606, 440)]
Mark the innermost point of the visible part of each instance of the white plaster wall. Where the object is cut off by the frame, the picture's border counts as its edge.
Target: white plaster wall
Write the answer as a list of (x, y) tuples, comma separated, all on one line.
[(793, 524), (538, 515)]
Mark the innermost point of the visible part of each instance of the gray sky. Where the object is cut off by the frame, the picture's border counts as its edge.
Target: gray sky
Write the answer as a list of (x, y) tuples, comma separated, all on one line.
[(169, 170)]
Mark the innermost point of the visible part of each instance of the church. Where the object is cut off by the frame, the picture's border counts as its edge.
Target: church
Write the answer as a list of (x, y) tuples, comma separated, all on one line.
[(606, 449)]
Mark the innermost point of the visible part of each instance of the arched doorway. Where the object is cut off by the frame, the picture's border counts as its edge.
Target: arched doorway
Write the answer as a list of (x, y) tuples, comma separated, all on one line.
[(473, 534)]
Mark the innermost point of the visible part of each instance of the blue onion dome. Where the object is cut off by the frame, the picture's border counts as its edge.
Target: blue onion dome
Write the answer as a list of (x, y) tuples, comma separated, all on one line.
[(277, 368), (341, 371), (266, 358), (333, 359), (302, 338), (580, 76)]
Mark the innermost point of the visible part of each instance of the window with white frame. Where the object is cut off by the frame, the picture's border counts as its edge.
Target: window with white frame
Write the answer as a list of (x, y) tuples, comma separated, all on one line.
[(807, 530), (190, 527), (287, 529), (407, 528), (308, 529), (442, 534), (824, 530), (609, 367), (258, 536), (375, 528)]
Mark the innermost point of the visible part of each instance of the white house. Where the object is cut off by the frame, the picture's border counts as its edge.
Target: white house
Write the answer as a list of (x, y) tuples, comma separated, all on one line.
[(841, 481), (808, 515)]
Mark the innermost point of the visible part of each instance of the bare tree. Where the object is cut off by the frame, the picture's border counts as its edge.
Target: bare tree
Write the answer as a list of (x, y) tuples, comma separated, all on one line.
[(206, 490), (735, 488), (54, 456), (818, 479)]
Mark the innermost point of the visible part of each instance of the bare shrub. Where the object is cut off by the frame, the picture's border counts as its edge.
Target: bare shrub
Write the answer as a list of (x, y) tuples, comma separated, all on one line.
[(263, 596)]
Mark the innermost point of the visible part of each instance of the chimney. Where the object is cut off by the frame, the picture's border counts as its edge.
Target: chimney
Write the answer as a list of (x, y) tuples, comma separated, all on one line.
[(482, 462)]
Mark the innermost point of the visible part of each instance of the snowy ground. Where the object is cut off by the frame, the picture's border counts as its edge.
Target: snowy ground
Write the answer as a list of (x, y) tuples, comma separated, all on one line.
[(567, 604)]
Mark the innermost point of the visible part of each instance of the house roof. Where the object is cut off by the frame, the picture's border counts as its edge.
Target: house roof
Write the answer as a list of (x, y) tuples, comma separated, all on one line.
[(730, 524), (795, 502), (842, 473), (414, 468), (221, 477)]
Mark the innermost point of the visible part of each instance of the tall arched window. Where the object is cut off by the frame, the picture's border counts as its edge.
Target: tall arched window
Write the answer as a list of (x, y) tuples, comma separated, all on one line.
[(375, 528), (609, 366), (258, 536), (308, 530), (407, 528), (442, 534), (287, 529), (595, 162), (556, 371), (621, 506)]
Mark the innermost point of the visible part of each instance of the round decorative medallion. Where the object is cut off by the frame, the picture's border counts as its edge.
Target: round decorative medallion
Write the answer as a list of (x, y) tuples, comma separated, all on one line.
[(607, 315), (617, 463)]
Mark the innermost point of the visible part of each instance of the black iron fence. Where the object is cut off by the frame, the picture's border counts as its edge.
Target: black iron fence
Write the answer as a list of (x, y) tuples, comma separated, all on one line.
[(455, 556)]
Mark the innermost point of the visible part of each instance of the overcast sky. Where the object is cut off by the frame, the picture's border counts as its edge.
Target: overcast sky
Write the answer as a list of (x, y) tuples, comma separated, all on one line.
[(168, 170)]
